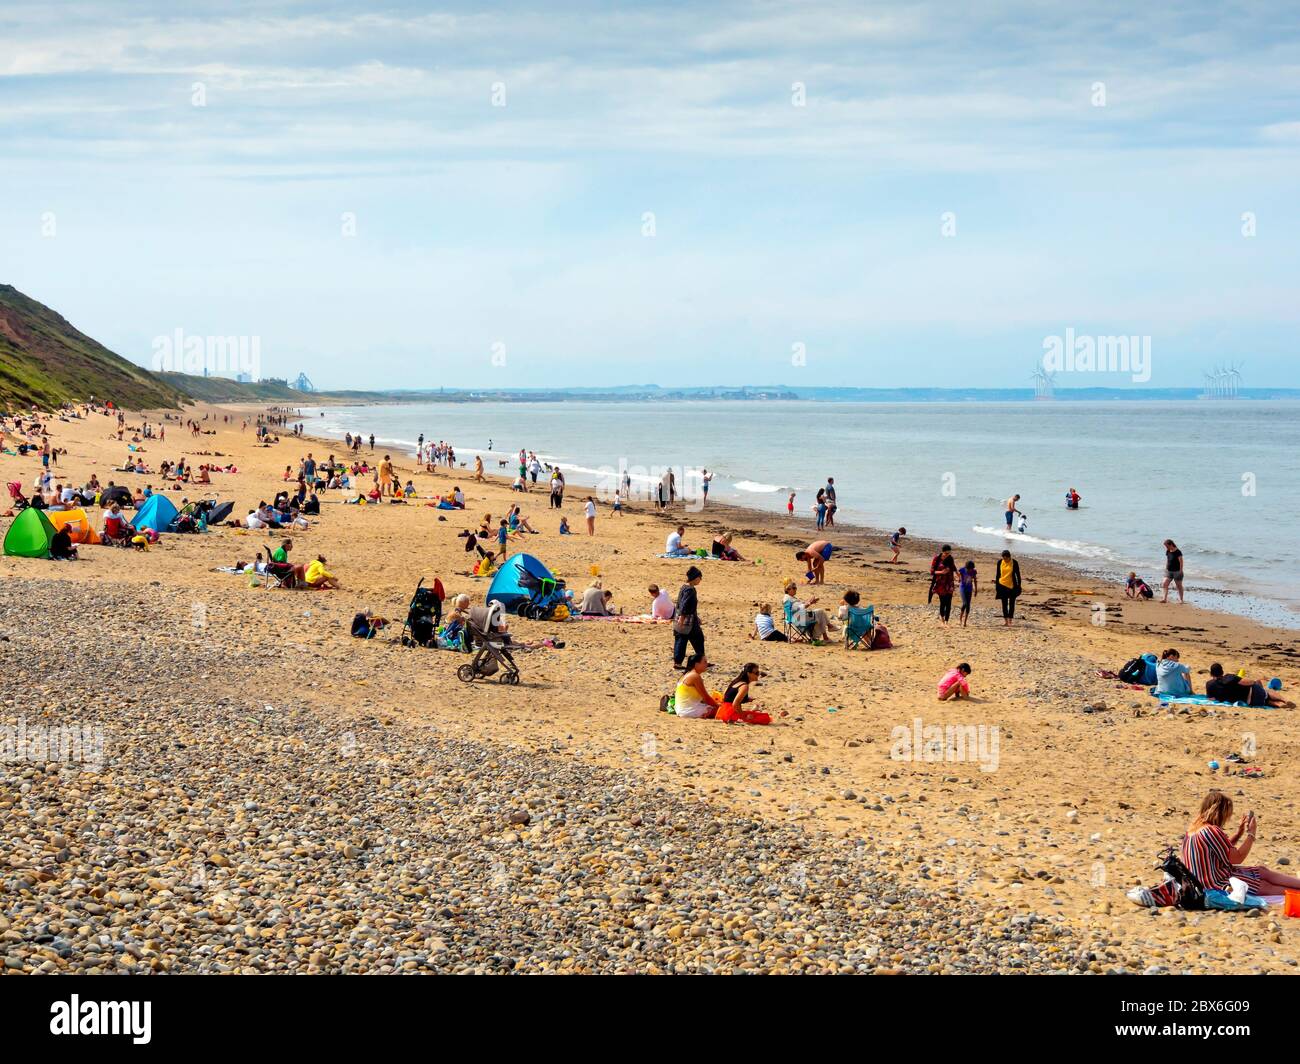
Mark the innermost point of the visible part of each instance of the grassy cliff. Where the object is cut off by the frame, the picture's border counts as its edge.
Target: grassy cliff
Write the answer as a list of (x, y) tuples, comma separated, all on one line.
[(45, 360)]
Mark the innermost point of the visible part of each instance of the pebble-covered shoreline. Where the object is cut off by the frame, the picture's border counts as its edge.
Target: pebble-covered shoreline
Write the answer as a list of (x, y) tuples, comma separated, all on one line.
[(221, 835)]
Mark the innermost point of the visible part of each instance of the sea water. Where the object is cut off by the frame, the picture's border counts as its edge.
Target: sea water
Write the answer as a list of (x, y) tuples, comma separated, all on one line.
[(1221, 478)]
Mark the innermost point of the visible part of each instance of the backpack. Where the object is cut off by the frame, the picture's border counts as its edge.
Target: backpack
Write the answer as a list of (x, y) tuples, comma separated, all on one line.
[(1191, 895), (1133, 671)]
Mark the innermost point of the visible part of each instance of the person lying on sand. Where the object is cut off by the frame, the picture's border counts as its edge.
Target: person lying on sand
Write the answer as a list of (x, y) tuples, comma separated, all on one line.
[(954, 684), (1227, 688)]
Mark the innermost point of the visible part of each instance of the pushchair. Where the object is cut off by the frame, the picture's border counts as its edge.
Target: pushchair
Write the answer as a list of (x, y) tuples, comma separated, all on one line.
[(491, 654), (423, 615), (16, 495), (544, 594)]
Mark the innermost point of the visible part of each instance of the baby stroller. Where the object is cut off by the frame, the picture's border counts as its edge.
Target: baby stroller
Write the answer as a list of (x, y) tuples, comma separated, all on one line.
[(423, 615), (491, 653), (16, 494), (544, 594)]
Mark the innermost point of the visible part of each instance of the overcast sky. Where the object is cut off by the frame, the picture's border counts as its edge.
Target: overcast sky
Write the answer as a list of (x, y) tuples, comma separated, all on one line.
[(919, 194)]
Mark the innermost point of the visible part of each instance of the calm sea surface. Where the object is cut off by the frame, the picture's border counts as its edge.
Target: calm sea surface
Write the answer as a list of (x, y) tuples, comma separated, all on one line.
[(1220, 478)]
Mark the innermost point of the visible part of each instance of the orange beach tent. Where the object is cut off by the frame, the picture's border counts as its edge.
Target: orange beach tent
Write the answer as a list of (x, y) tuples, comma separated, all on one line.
[(77, 523)]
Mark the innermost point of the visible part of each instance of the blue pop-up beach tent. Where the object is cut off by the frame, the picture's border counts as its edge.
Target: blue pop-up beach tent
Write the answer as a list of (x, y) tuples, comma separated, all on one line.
[(515, 579), (157, 513)]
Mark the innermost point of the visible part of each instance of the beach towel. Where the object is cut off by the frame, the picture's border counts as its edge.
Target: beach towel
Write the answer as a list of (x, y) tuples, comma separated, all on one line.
[(1201, 700)]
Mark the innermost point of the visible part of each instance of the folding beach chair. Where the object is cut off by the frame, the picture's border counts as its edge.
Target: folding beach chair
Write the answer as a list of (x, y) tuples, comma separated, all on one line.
[(794, 631), (278, 574), (857, 632)]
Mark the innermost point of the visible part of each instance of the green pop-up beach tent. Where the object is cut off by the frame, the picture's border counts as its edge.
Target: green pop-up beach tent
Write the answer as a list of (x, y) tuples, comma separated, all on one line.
[(30, 534)]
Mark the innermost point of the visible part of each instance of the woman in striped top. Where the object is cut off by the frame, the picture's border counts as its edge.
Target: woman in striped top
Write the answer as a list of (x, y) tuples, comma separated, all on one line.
[(1211, 856)]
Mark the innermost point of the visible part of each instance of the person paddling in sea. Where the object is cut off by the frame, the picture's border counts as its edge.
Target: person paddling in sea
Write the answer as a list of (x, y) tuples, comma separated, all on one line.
[(1011, 508), (1173, 570)]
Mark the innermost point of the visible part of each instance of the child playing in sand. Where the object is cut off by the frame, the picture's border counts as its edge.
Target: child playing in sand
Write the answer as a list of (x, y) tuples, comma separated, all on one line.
[(564, 527), (764, 627), (895, 542), (1137, 588), (955, 684)]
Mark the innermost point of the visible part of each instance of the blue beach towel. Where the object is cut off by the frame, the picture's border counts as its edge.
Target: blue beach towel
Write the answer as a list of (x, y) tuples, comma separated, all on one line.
[(1201, 700)]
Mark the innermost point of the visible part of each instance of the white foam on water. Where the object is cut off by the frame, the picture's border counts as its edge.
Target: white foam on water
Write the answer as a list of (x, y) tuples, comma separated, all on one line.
[(755, 486)]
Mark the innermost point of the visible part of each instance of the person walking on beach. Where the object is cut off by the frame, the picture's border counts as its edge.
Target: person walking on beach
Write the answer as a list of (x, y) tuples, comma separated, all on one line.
[(705, 477), (821, 509), (557, 488), (817, 554), (969, 587), (896, 543), (1011, 510), (1173, 570), (372, 441), (1007, 587), (943, 572), (589, 509), (831, 505), (386, 476), (686, 619), (789, 504)]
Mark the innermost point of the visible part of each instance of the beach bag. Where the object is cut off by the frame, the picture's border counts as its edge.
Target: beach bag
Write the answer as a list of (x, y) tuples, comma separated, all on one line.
[(683, 623), (880, 639), (1191, 895), (1133, 671), (1151, 675)]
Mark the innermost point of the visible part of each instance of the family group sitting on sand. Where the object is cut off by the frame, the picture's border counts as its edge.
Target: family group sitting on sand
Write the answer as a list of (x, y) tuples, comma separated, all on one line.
[(1174, 680)]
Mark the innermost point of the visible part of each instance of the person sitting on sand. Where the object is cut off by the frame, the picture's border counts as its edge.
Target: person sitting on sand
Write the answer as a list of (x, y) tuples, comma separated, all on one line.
[(815, 556), (61, 548), (1227, 688), (738, 695), (723, 549), (815, 623), (1214, 858), (674, 547), (1137, 588), (764, 627), (318, 578), (117, 529), (661, 603), (519, 523), (595, 601), (564, 527), (692, 697), (1173, 678), (955, 683)]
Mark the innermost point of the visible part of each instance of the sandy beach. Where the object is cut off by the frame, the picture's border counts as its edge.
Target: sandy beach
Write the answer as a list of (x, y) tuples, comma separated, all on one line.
[(278, 796)]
